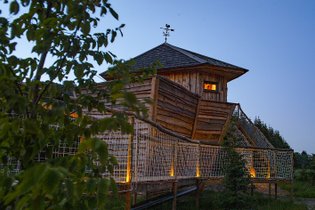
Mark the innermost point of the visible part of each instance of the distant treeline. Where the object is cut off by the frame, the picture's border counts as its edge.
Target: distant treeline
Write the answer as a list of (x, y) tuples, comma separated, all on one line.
[(304, 161), (271, 134)]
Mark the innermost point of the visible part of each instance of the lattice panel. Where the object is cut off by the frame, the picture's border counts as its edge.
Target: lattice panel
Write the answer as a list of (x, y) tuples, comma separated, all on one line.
[(212, 161), (284, 165), (187, 160)]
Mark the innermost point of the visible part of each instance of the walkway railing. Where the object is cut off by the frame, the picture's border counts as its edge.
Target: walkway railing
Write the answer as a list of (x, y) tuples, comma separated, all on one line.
[(152, 155), (256, 136)]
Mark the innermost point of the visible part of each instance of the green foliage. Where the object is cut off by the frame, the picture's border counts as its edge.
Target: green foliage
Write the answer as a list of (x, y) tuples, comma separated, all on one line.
[(236, 180), (303, 160), (35, 111), (301, 188), (211, 200), (272, 135)]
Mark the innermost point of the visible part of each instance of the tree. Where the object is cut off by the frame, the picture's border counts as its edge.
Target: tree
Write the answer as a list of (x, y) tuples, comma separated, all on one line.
[(37, 100), (236, 179), (272, 135)]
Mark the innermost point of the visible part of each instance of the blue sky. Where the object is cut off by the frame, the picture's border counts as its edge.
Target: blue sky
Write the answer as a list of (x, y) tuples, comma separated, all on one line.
[(275, 40)]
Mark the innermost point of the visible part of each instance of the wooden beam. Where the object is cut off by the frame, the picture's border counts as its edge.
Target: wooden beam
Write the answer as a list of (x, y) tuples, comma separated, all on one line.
[(154, 96), (196, 119), (226, 125)]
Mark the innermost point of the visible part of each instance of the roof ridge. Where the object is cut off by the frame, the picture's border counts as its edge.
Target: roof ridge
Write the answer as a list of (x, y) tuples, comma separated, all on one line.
[(186, 53), (216, 59), (146, 51)]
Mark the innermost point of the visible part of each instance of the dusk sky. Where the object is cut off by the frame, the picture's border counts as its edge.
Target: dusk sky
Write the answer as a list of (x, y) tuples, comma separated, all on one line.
[(275, 40)]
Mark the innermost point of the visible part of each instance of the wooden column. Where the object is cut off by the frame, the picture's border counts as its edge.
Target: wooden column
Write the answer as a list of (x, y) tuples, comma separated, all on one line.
[(269, 188), (197, 193), (174, 187), (174, 203), (196, 119), (276, 190), (129, 168)]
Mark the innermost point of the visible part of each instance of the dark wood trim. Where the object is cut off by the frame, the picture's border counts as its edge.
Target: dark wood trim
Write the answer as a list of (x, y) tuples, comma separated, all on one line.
[(196, 119)]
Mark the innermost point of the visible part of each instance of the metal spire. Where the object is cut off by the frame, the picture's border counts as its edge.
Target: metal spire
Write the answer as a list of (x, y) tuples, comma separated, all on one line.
[(166, 31)]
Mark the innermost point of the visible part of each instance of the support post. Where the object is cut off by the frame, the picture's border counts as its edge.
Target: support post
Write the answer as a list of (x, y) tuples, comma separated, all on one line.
[(251, 189), (269, 188), (134, 198), (174, 203), (276, 191), (197, 193), (291, 192), (129, 168), (175, 176)]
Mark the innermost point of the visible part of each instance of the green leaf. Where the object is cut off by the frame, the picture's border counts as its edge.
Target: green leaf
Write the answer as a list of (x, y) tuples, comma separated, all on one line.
[(86, 28), (113, 12), (108, 58), (114, 34), (14, 7)]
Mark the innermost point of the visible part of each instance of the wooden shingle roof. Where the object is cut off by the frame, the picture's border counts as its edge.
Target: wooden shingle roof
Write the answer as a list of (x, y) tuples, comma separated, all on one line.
[(170, 57)]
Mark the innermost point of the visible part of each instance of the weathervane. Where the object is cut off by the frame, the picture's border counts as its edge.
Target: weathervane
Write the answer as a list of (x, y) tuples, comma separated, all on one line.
[(166, 31)]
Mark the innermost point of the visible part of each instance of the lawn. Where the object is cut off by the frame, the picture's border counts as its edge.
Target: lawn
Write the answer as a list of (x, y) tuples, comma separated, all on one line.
[(211, 201)]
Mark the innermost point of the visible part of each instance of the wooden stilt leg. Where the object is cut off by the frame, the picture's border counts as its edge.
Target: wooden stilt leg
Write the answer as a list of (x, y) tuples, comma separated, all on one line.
[(174, 194), (134, 199), (276, 190), (197, 194), (128, 199), (269, 188)]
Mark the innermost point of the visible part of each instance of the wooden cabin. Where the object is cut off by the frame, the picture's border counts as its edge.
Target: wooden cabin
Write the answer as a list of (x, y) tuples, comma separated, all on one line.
[(189, 94)]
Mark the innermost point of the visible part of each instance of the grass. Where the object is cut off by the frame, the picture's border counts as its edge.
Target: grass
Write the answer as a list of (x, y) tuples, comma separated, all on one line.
[(211, 200), (302, 185), (300, 189)]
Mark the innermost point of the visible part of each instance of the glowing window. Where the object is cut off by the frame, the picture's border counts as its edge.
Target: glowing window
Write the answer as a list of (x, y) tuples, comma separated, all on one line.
[(210, 86)]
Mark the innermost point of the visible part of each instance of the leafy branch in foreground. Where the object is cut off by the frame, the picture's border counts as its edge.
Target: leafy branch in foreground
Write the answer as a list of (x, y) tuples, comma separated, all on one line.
[(38, 102)]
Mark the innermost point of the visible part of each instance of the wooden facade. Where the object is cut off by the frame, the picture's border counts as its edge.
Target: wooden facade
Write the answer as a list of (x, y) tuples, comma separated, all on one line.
[(176, 108), (189, 94), (193, 81)]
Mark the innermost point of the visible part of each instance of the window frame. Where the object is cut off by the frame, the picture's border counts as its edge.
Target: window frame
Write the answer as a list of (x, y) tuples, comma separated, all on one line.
[(212, 83)]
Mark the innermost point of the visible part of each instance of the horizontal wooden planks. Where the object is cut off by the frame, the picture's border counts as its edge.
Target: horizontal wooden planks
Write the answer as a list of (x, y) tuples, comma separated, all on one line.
[(176, 107), (211, 119)]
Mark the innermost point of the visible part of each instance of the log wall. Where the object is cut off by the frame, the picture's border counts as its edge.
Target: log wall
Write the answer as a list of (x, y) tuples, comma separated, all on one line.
[(175, 107), (180, 110), (211, 120), (193, 81)]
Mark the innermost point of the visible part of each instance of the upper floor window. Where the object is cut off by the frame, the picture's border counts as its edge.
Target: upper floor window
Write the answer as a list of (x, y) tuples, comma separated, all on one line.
[(210, 86)]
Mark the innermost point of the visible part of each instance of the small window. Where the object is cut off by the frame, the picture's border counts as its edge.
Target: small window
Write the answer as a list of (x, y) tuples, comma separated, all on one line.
[(210, 86)]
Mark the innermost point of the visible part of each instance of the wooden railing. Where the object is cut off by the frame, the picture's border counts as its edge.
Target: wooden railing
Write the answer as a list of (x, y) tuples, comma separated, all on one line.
[(157, 156), (254, 134)]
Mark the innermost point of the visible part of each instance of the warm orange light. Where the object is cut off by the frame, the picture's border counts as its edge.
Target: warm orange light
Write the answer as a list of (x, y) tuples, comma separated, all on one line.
[(74, 115), (268, 171), (210, 86), (197, 170), (127, 177), (172, 171), (252, 172)]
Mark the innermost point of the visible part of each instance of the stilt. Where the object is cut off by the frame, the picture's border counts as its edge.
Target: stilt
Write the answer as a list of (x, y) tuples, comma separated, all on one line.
[(276, 190), (134, 198), (174, 194), (291, 192), (197, 194), (128, 199), (251, 189), (269, 187)]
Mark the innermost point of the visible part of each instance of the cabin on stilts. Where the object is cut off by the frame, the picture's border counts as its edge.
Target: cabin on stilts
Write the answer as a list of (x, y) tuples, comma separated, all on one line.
[(189, 95), (189, 116)]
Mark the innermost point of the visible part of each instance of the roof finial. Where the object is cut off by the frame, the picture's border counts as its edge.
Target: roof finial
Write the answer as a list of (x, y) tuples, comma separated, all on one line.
[(166, 31)]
